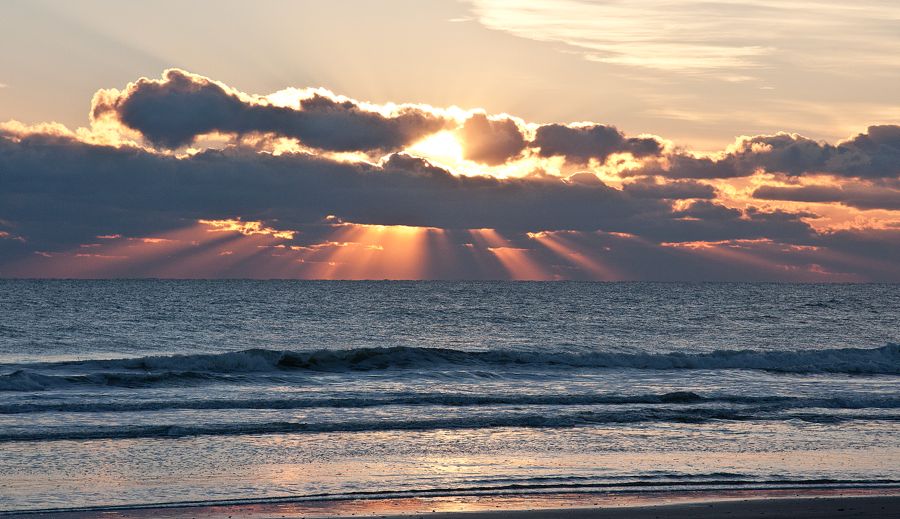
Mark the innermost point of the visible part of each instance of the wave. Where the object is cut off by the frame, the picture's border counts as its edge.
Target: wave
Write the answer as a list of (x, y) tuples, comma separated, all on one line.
[(524, 420), (455, 400), (135, 372), (25, 380)]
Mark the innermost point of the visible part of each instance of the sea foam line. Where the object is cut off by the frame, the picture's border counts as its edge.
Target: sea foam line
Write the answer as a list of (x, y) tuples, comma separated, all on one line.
[(451, 400), (694, 415)]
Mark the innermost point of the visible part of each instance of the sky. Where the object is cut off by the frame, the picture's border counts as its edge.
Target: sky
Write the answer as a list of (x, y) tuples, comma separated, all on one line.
[(479, 139)]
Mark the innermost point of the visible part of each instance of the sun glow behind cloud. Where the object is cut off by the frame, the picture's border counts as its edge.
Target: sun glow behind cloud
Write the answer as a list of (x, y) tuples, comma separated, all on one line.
[(442, 148), (552, 201), (446, 149)]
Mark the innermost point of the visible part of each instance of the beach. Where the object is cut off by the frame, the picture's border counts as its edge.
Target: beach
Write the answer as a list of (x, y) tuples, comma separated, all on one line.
[(163, 396), (848, 504), (449, 259)]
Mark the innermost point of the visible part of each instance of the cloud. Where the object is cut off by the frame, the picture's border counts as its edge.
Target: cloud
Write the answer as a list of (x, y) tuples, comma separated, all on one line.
[(861, 197), (581, 143), (573, 212), (873, 154), (174, 111), (649, 188), (646, 35), (705, 220), (180, 107), (63, 191), (491, 141), (732, 41), (680, 165)]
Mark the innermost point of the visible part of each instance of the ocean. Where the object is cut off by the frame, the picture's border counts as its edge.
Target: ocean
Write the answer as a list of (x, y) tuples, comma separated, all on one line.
[(152, 392)]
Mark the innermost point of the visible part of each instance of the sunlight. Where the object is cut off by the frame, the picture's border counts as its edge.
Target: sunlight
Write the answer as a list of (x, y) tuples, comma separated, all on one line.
[(359, 251), (568, 250), (519, 264), (735, 252), (247, 228), (442, 147)]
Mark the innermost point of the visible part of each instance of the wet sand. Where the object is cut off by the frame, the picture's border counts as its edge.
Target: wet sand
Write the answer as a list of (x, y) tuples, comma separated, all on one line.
[(803, 508), (845, 504)]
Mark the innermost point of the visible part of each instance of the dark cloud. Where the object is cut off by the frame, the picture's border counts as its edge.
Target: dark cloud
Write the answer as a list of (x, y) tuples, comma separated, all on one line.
[(585, 178), (869, 197), (705, 220), (173, 111), (649, 188), (580, 144), (706, 210), (687, 166), (866, 250), (874, 155), (831, 258), (783, 153), (491, 141), (60, 192)]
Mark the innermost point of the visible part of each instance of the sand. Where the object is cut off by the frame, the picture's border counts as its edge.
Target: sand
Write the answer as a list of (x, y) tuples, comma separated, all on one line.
[(807, 508), (699, 507)]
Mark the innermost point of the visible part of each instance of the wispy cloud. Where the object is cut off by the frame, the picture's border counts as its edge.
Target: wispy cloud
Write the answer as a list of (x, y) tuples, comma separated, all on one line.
[(697, 36)]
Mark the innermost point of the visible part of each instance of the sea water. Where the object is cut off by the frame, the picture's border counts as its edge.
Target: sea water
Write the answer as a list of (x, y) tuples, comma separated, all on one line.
[(135, 392)]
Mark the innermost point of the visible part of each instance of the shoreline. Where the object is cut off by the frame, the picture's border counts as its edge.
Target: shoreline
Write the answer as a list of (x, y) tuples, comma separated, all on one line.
[(702, 504)]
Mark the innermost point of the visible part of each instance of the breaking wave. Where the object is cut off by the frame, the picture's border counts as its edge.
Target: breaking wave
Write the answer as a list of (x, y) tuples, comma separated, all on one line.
[(187, 369)]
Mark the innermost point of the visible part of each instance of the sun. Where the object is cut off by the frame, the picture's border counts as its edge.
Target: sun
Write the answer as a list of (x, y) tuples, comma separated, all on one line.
[(445, 150), (441, 148)]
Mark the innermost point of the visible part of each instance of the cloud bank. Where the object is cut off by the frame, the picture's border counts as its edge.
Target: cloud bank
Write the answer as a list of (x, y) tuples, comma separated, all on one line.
[(143, 193)]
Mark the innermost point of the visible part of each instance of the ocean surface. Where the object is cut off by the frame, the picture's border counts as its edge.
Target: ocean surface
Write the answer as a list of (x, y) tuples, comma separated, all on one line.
[(122, 393)]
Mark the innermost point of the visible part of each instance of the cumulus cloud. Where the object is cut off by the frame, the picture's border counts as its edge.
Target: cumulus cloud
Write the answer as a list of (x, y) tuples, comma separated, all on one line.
[(180, 107), (874, 154), (491, 141), (174, 111), (581, 143)]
